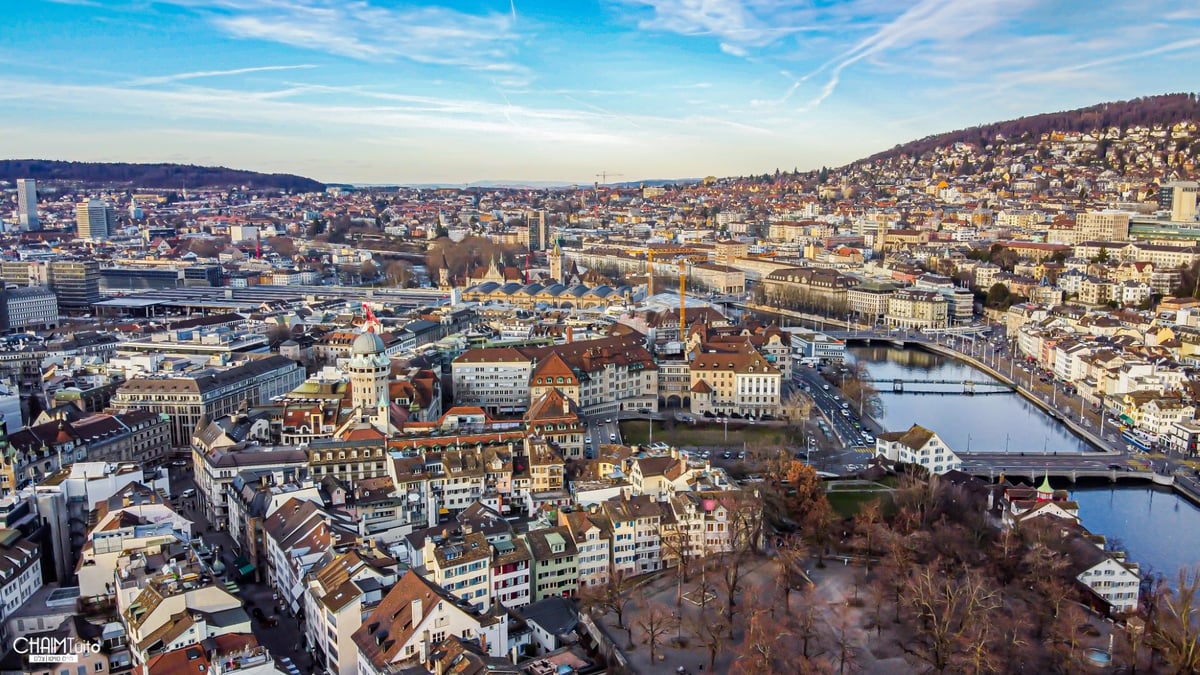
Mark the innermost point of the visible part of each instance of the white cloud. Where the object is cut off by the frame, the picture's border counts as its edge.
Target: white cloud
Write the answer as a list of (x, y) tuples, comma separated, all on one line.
[(361, 29), (738, 24), (179, 77), (733, 50)]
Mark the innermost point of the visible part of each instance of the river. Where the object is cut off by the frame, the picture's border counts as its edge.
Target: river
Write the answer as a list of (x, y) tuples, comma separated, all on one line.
[(991, 423), (1159, 529)]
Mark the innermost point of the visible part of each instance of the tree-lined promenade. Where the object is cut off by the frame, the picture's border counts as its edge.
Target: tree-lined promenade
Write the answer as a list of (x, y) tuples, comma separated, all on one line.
[(932, 585)]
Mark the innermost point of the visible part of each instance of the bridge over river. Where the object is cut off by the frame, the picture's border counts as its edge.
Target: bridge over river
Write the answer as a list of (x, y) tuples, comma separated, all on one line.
[(968, 387)]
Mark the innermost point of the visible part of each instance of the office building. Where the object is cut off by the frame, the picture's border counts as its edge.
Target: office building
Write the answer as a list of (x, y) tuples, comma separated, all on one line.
[(27, 204), (25, 273), (539, 230), (24, 308), (209, 394), (95, 219), (1179, 197), (1102, 226), (76, 283)]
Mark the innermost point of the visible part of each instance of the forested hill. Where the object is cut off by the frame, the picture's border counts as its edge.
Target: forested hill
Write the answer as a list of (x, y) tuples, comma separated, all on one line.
[(1166, 109), (151, 175)]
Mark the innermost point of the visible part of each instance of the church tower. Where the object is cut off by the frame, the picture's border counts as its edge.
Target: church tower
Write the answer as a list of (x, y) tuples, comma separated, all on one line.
[(369, 368), (444, 273), (556, 264)]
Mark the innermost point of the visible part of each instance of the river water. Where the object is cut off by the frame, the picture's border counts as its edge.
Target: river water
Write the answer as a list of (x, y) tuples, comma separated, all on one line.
[(1158, 528), (991, 423)]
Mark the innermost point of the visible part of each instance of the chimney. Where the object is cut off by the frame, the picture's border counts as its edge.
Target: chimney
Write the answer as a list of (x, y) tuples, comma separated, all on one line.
[(416, 611), (570, 335), (467, 529), (424, 649), (483, 642)]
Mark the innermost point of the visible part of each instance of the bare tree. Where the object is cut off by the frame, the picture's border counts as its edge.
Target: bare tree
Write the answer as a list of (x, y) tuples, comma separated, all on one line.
[(614, 595), (654, 622), (842, 636), (877, 601), (866, 526), (949, 611), (399, 273), (1066, 634), (808, 623), (1176, 631), (791, 572), (766, 647), (744, 523), (710, 633)]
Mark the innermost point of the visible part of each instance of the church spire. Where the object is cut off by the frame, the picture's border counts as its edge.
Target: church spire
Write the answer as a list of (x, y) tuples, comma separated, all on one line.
[(1045, 491)]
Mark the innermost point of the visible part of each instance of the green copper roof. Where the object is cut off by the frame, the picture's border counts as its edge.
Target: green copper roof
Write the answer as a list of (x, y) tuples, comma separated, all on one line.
[(1045, 486)]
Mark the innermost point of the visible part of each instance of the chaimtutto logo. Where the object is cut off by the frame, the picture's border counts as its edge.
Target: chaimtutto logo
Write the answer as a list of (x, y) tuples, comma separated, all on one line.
[(54, 649)]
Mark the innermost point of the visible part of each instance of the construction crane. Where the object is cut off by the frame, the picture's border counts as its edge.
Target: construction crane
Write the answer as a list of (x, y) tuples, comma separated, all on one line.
[(682, 300), (603, 176), (649, 272)]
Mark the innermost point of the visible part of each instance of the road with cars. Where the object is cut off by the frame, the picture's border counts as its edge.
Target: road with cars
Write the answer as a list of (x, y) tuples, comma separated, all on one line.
[(601, 430)]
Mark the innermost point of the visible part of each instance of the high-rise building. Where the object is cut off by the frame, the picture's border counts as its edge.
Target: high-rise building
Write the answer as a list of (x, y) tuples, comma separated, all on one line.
[(1179, 197), (95, 219), (76, 283), (27, 204), (539, 230)]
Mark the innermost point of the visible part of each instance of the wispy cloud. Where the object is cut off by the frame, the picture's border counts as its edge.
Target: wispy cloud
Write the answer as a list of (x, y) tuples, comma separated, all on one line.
[(179, 77), (309, 106), (928, 21), (369, 31), (737, 24)]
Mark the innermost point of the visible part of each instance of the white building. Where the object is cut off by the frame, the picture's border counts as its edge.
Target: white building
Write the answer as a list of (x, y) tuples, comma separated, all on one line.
[(919, 446), (414, 617), (336, 599), (20, 572), (1116, 581), (27, 201)]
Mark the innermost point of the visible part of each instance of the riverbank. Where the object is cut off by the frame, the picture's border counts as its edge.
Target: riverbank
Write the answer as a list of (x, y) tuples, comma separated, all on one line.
[(1032, 397), (1164, 473)]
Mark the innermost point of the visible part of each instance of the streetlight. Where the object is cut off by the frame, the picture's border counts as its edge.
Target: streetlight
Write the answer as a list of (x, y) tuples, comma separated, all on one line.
[(1006, 444)]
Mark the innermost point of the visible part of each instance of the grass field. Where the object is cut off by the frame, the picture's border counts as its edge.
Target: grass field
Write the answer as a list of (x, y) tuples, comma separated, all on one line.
[(847, 502), (848, 496), (637, 432)]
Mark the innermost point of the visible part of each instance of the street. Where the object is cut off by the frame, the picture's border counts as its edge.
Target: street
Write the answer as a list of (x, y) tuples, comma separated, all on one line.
[(282, 639)]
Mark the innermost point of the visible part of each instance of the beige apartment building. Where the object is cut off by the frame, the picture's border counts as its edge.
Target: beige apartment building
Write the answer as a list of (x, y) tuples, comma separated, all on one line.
[(908, 308), (1102, 226), (742, 381)]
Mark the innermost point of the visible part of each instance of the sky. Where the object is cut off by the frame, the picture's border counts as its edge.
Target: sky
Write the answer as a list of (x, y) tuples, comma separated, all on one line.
[(386, 91)]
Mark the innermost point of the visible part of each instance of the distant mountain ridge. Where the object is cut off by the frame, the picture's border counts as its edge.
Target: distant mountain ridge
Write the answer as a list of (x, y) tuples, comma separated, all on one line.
[(1164, 109), (161, 175)]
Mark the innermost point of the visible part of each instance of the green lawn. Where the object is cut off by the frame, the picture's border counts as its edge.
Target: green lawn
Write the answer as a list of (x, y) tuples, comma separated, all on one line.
[(848, 496), (636, 432)]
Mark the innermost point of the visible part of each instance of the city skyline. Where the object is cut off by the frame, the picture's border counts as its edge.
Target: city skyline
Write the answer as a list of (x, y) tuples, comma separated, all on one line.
[(388, 92)]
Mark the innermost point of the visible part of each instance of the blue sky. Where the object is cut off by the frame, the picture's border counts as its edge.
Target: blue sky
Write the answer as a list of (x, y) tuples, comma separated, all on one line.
[(390, 91)]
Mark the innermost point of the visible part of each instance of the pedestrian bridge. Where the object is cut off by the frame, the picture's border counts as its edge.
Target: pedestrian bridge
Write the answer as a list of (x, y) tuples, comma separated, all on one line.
[(968, 387)]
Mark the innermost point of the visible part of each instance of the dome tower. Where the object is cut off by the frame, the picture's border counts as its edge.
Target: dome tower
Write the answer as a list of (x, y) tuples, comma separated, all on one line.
[(369, 368)]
